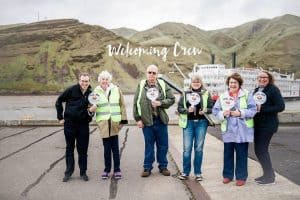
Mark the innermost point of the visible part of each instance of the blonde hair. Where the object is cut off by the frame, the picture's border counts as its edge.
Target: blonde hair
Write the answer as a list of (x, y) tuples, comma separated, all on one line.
[(196, 77)]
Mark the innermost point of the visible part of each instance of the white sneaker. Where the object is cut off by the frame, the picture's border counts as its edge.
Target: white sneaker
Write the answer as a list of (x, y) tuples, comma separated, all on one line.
[(199, 177), (183, 176)]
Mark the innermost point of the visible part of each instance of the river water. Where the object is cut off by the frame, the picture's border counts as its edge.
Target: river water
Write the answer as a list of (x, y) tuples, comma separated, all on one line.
[(43, 107)]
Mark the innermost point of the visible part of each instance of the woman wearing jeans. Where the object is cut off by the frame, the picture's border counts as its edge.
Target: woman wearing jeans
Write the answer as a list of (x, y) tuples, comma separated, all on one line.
[(235, 108), (191, 107)]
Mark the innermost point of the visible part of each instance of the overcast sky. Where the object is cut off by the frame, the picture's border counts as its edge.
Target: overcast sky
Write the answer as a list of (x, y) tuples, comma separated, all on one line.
[(144, 14)]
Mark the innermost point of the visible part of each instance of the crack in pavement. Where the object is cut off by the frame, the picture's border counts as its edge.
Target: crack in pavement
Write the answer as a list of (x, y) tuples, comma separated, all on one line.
[(16, 133), (38, 180), (23, 148), (113, 188)]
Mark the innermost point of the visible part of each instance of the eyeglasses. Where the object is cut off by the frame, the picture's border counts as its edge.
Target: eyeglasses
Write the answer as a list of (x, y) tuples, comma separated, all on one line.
[(263, 77), (85, 81), (154, 73)]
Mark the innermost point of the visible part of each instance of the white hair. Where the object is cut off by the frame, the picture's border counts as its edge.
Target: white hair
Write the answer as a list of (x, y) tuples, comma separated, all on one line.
[(106, 75)]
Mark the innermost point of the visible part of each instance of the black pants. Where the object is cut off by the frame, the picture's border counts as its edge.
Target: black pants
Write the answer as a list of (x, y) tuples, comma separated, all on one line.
[(261, 146), (79, 132), (111, 145)]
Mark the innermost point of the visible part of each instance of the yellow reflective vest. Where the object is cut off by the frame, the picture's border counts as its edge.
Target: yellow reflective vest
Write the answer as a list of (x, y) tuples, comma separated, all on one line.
[(108, 108), (142, 85), (243, 105)]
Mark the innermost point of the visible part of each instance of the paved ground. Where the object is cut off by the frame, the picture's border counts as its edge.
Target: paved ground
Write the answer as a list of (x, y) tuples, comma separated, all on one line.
[(284, 150), (32, 166)]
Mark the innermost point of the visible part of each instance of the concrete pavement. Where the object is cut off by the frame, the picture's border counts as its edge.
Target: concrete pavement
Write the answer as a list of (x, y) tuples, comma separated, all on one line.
[(32, 165)]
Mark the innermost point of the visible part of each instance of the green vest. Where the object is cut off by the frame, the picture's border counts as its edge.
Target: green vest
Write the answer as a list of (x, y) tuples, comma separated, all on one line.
[(107, 109), (243, 105), (142, 85), (184, 117)]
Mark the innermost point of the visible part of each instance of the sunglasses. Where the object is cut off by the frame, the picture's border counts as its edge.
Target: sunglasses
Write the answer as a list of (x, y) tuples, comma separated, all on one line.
[(154, 73)]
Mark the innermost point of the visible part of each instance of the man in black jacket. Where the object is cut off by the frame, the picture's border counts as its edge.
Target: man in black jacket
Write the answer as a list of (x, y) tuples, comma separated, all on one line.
[(76, 120)]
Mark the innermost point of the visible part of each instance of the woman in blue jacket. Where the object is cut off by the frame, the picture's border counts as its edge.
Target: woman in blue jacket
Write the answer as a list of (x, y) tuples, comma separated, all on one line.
[(266, 124), (235, 108)]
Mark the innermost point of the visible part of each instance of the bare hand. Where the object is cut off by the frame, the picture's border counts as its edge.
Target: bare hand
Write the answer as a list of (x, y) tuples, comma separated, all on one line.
[(191, 109), (140, 124), (201, 112), (155, 103), (62, 121), (235, 113), (226, 113), (93, 108)]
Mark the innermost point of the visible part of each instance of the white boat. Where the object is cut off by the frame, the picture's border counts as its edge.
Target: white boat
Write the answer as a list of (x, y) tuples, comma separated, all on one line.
[(214, 77)]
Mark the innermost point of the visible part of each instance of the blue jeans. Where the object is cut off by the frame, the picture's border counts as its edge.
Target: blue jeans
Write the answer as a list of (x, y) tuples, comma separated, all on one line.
[(157, 133), (194, 132), (241, 168)]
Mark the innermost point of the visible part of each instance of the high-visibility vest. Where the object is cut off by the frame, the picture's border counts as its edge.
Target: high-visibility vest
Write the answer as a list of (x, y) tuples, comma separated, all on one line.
[(107, 109), (184, 117), (243, 105), (142, 85)]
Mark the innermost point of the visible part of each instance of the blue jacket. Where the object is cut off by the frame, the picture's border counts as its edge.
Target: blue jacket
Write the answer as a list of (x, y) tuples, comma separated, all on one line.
[(237, 131)]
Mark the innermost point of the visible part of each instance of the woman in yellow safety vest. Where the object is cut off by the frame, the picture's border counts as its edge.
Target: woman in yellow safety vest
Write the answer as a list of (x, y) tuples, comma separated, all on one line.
[(110, 117), (192, 107), (235, 108)]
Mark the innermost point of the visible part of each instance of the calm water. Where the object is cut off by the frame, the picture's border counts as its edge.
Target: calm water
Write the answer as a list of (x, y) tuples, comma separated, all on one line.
[(42, 107)]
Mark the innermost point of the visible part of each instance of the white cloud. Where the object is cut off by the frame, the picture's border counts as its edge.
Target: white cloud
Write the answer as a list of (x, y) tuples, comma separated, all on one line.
[(140, 15)]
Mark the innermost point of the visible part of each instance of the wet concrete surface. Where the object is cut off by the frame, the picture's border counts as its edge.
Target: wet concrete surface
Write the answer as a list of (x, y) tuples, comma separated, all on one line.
[(284, 150), (32, 166)]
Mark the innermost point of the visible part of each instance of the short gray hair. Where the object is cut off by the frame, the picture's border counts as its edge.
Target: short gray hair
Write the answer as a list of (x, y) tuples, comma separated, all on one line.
[(104, 74), (196, 77)]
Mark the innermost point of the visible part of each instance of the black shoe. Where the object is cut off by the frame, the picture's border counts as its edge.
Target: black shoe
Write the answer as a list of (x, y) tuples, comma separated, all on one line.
[(84, 177), (259, 179), (66, 178), (266, 181)]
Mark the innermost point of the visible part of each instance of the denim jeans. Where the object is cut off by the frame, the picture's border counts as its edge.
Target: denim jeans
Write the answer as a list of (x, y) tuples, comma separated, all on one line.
[(194, 133), (157, 133), (111, 145), (241, 168)]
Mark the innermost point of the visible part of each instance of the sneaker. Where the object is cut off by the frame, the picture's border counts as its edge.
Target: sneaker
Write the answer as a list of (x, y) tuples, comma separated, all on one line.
[(117, 175), (165, 172), (66, 178), (199, 177), (183, 176), (105, 175), (266, 181), (226, 180), (84, 177), (240, 182), (146, 173)]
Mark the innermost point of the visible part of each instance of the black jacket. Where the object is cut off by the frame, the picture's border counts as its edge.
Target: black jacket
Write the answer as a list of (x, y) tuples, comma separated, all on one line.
[(267, 118), (76, 104)]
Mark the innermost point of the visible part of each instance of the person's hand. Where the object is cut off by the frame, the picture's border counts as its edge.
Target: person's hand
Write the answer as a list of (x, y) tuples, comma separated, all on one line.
[(191, 109), (93, 108), (62, 121), (235, 113), (155, 103), (201, 112), (226, 113), (140, 124)]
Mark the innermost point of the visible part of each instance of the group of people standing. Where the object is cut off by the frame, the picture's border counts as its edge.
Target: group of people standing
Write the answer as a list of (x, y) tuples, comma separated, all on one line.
[(243, 120)]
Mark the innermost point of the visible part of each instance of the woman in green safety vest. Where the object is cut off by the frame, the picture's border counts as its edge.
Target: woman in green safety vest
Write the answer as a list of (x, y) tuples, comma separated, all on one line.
[(235, 108), (110, 117), (191, 107)]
